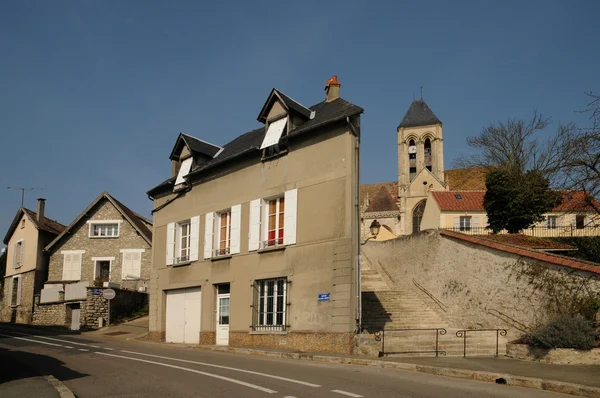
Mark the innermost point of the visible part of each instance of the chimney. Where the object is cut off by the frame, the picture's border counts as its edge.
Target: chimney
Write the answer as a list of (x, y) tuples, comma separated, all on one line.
[(332, 89), (40, 210)]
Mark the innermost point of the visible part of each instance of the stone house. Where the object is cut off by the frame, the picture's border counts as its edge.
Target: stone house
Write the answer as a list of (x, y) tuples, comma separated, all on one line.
[(26, 263), (255, 241), (107, 246)]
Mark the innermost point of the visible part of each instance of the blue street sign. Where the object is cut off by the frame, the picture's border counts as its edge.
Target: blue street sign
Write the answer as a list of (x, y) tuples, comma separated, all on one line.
[(95, 292), (324, 296)]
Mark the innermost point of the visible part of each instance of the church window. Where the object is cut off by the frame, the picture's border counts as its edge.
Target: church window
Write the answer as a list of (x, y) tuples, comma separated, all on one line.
[(412, 159), (428, 162), (418, 216)]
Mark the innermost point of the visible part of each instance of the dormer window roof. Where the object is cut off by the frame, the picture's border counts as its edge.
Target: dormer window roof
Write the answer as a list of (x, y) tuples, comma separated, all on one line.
[(289, 105), (196, 147)]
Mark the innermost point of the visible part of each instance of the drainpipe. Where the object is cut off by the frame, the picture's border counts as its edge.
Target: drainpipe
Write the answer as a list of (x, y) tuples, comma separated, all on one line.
[(357, 223)]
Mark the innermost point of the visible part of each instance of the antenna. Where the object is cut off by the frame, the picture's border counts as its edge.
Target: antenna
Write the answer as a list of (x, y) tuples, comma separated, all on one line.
[(421, 92), (23, 192)]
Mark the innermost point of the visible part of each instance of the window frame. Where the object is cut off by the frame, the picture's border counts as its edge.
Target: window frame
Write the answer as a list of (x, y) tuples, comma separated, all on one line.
[(19, 280), (94, 223), (580, 221), (218, 226), (66, 253), (132, 252), (465, 223), (19, 253), (266, 242), (552, 222), (260, 306), (179, 257)]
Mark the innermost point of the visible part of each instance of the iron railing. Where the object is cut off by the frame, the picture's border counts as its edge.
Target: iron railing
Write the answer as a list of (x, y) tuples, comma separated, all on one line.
[(380, 336), (537, 231), (221, 252), (463, 333), (271, 243)]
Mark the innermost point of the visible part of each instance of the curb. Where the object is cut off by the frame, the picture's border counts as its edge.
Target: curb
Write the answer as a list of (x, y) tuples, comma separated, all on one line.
[(58, 385), (579, 390)]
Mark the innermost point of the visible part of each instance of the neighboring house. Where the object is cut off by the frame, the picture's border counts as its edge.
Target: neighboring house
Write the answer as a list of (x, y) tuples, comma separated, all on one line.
[(256, 241), (463, 211), (27, 266), (107, 245)]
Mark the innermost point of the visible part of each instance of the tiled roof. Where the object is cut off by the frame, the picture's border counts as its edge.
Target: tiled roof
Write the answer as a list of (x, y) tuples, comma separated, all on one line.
[(576, 201), (468, 179), (54, 227), (527, 241), (459, 200), (535, 255), (419, 114), (325, 113), (371, 190), (383, 201)]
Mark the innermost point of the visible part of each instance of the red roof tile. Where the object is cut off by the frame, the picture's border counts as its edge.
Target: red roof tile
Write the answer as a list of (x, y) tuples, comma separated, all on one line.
[(540, 256), (468, 179), (469, 200), (576, 201)]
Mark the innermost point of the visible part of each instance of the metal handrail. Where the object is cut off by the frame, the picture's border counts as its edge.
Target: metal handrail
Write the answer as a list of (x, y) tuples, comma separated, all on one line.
[(380, 336), (463, 333)]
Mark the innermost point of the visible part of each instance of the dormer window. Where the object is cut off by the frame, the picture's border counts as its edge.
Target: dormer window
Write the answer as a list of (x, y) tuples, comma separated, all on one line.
[(184, 170)]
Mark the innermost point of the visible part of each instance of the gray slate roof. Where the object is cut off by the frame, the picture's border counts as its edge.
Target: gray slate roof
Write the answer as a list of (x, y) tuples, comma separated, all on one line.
[(419, 114), (325, 113)]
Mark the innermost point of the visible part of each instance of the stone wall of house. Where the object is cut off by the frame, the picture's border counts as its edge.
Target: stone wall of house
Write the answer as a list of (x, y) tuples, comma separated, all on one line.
[(125, 303), (482, 287), (78, 239), (50, 313), (22, 312)]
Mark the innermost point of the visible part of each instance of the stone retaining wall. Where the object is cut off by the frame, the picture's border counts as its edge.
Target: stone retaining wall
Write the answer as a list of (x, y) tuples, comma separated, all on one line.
[(559, 356), (125, 303)]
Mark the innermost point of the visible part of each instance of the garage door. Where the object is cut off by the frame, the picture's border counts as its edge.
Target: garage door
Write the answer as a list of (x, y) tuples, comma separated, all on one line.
[(183, 316)]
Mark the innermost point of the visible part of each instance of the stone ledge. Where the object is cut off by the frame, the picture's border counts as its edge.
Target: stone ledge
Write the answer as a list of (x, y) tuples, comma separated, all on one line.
[(557, 356)]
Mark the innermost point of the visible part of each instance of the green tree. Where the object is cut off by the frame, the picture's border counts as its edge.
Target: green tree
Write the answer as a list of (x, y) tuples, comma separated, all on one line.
[(516, 200)]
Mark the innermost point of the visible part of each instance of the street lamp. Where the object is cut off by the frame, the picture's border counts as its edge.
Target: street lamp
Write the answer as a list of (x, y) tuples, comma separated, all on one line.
[(374, 228)]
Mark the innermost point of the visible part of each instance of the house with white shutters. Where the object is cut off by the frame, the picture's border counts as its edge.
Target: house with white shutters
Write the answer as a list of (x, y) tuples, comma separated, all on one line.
[(255, 241)]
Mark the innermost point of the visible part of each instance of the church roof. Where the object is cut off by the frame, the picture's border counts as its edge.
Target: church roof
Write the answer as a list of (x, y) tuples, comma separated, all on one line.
[(419, 114), (370, 191), (382, 202), (468, 179)]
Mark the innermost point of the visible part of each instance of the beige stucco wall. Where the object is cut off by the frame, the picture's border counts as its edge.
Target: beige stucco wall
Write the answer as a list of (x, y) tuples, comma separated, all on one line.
[(480, 286), (321, 167), (78, 239), (29, 234)]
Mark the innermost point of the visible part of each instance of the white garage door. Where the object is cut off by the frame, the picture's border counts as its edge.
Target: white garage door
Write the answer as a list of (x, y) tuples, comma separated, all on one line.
[(183, 316)]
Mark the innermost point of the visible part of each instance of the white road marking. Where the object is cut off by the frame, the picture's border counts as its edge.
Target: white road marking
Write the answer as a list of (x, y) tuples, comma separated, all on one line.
[(109, 349), (53, 339), (34, 341), (349, 394), (66, 346), (83, 349), (227, 367), (94, 346), (243, 383)]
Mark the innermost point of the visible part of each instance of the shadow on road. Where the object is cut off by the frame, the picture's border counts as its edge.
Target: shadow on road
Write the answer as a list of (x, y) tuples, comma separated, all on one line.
[(16, 365)]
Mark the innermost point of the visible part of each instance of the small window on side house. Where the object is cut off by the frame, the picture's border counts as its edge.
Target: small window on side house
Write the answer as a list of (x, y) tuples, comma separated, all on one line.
[(552, 222), (465, 223), (104, 230), (579, 221)]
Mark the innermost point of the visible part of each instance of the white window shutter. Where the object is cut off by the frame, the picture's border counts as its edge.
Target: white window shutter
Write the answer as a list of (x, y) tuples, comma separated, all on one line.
[(19, 289), (22, 253), (170, 243), (66, 266), (126, 265), (475, 222), (456, 222), (573, 220), (236, 223), (209, 230), (77, 265), (194, 237), (15, 248), (486, 223), (254, 234), (560, 221), (587, 221), (290, 217), (137, 264)]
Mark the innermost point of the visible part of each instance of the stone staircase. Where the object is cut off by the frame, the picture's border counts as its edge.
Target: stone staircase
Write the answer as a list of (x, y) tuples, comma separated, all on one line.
[(407, 307)]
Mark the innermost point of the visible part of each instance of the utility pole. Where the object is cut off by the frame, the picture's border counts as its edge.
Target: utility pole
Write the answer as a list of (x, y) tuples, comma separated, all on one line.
[(23, 192)]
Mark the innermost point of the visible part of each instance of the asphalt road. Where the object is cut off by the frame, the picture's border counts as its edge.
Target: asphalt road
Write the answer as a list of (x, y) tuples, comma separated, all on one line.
[(94, 367)]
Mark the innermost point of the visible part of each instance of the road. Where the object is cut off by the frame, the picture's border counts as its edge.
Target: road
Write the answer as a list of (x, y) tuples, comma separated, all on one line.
[(95, 367)]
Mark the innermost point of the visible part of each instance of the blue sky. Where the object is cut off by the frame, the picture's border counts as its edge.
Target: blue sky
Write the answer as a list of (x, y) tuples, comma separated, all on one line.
[(94, 93)]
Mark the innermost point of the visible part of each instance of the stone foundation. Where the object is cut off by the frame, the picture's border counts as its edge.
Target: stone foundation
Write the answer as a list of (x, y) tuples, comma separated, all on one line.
[(208, 338), (22, 312), (298, 341), (50, 314), (156, 336), (559, 356)]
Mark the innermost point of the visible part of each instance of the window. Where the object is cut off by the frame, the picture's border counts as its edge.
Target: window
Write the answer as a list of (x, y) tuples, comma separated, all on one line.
[(182, 241), (412, 159), (184, 170), (465, 223), (552, 222), (579, 221), (132, 263), (15, 290), (274, 132), (104, 230), (224, 233), (72, 264), (427, 152), (19, 254), (102, 271), (270, 304), (457, 196), (273, 221)]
